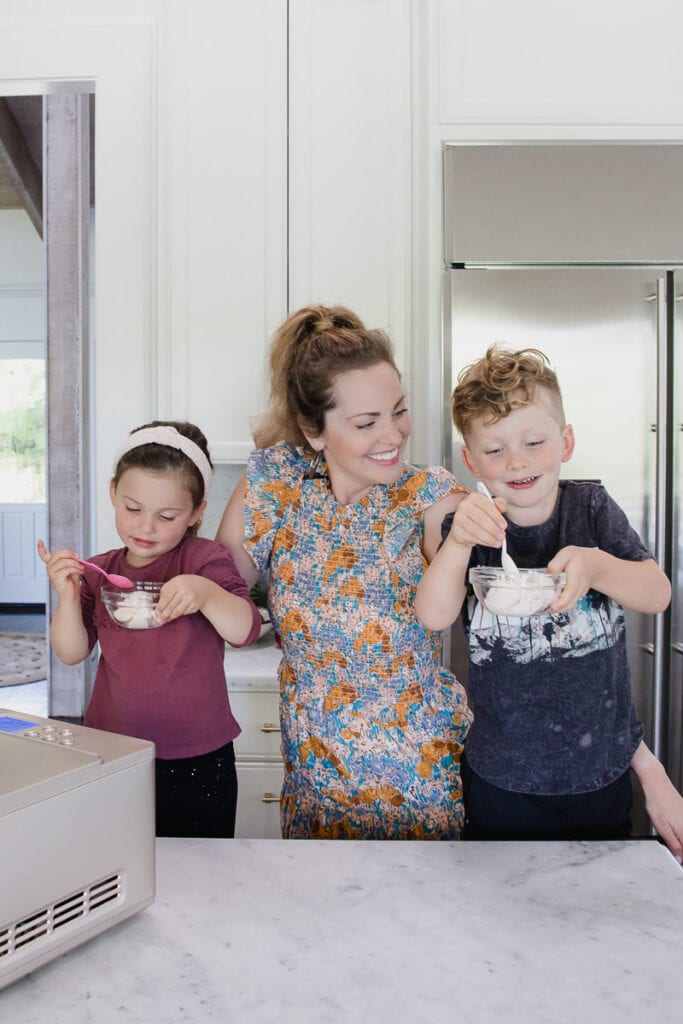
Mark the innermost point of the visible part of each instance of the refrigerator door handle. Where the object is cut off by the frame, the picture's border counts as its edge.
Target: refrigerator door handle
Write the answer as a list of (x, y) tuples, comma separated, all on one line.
[(659, 651)]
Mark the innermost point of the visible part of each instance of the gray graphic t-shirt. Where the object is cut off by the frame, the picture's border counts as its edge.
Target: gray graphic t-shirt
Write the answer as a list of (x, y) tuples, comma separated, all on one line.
[(553, 712)]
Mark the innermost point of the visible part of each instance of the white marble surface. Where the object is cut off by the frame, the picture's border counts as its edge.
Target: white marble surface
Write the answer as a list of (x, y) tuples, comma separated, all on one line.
[(257, 931), (255, 667)]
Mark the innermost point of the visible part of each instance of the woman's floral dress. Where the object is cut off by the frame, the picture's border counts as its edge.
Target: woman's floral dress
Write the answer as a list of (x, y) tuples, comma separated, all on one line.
[(372, 725)]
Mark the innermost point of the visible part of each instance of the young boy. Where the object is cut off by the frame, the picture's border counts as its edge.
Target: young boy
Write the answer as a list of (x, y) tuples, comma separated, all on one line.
[(555, 731)]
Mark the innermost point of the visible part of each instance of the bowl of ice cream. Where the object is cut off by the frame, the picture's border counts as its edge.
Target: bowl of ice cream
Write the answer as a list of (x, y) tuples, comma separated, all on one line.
[(133, 609), (516, 594)]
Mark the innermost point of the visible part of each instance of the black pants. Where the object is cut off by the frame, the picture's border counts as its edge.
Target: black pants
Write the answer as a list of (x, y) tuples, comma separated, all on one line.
[(494, 813), (197, 796)]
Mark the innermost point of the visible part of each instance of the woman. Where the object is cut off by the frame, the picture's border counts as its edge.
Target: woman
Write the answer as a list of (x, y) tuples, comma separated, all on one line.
[(372, 725)]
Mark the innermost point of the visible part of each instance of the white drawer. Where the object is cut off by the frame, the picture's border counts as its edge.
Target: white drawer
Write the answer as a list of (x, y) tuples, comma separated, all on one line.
[(259, 718), (258, 801)]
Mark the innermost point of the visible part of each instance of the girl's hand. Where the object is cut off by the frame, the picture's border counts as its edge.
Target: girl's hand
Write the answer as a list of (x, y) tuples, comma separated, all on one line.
[(183, 595), (479, 521), (63, 571)]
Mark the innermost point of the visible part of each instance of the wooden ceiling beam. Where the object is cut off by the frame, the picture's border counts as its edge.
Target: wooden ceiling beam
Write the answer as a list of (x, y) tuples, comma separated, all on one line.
[(20, 167)]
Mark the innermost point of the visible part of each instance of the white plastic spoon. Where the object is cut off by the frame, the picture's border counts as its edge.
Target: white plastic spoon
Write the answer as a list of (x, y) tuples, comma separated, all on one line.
[(507, 562), (111, 577)]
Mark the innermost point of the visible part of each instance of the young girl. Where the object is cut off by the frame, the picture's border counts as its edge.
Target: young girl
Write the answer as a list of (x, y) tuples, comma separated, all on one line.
[(166, 685)]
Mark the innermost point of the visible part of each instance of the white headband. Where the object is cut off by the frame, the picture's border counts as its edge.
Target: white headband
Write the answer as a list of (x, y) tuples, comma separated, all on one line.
[(169, 437)]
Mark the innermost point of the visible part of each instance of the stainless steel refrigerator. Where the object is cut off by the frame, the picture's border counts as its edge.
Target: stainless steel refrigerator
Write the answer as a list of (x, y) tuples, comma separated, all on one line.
[(577, 249)]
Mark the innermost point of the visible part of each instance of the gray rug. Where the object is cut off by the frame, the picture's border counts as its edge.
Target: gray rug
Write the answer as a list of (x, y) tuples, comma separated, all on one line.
[(23, 658)]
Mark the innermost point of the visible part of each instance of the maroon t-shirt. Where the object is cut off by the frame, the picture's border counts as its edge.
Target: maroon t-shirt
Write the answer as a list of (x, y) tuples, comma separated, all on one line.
[(167, 684)]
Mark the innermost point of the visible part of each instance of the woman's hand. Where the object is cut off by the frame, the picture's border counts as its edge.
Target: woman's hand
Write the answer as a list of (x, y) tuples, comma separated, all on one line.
[(63, 571)]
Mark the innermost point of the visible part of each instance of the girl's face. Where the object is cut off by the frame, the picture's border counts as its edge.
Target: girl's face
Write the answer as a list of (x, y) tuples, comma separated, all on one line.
[(152, 511), (365, 433)]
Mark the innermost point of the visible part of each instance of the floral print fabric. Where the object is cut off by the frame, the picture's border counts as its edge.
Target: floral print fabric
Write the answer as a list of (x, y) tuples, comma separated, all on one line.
[(372, 725)]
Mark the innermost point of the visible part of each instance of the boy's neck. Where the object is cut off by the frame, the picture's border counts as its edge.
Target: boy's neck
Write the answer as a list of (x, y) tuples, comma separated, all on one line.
[(535, 515)]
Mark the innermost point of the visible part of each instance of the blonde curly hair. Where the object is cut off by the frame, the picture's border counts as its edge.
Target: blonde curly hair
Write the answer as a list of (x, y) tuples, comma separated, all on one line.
[(490, 388)]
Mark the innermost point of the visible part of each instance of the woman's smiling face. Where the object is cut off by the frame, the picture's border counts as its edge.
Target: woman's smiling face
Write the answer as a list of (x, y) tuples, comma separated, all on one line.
[(365, 432)]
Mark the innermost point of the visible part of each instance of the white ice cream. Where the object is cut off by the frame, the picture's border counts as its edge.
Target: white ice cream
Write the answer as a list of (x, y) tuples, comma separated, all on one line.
[(137, 611), (520, 595)]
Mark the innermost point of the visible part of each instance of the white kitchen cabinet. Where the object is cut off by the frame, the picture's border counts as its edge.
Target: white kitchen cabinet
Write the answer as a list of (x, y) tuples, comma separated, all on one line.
[(251, 673), (223, 169), (534, 62), (350, 154)]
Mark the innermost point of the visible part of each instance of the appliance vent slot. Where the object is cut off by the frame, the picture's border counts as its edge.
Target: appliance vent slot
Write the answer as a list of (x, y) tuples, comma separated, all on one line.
[(68, 910)]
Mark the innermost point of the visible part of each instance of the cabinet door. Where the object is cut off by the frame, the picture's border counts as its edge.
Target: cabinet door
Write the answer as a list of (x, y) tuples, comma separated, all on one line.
[(258, 716), (226, 230), (258, 801), (601, 63), (350, 159)]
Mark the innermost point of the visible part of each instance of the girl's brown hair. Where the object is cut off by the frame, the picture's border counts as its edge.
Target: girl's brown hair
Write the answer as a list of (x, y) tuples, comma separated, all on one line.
[(308, 353), (501, 381), (160, 458)]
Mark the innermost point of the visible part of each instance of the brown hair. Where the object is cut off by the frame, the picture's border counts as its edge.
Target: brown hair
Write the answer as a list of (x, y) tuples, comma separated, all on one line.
[(160, 458), (308, 353), (501, 381)]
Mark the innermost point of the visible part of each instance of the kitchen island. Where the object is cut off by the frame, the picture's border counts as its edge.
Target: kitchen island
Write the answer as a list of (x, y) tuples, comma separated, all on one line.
[(274, 931)]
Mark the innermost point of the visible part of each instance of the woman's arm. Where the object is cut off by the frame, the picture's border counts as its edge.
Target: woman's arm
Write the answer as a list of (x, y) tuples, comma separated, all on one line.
[(231, 532)]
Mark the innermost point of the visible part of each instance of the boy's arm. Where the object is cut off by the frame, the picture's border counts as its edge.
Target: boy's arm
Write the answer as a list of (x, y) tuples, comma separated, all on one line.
[(663, 802), (232, 616), (68, 635), (442, 589), (640, 586)]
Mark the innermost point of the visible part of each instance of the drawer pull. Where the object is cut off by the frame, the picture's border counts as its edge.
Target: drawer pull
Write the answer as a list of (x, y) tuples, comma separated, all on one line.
[(270, 798), (269, 727)]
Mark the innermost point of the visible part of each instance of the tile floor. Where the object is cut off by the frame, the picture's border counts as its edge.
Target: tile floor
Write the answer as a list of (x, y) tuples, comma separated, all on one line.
[(30, 698)]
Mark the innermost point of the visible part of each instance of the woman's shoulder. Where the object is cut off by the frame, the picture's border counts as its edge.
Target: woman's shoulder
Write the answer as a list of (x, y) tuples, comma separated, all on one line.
[(419, 487), (277, 462)]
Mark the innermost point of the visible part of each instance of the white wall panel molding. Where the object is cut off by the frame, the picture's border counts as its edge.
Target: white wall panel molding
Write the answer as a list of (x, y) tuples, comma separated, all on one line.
[(579, 62), (224, 241), (351, 160)]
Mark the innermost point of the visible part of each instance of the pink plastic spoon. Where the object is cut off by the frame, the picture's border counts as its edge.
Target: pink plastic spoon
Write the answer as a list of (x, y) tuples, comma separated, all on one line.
[(112, 577)]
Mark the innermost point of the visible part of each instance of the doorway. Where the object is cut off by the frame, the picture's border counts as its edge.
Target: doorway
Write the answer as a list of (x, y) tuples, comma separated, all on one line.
[(46, 224)]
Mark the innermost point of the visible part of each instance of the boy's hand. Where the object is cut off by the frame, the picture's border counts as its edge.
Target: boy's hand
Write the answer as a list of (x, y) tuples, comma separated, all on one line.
[(578, 564), (64, 572), (479, 521), (182, 595)]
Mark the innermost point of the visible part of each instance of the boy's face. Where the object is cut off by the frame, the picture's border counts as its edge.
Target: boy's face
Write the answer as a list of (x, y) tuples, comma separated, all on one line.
[(519, 458)]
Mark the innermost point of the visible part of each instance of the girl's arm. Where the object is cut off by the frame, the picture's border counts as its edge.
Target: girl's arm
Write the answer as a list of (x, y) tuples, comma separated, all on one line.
[(233, 617), (442, 589), (231, 532), (663, 802), (640, 586), (68, 635)]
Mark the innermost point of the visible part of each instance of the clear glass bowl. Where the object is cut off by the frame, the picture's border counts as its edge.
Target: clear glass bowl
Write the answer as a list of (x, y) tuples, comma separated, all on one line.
[(516, 595), (133, 609)]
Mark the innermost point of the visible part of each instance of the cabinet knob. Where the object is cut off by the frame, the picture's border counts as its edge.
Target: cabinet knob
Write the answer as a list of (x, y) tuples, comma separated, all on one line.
[(270, 798), (269, 727)]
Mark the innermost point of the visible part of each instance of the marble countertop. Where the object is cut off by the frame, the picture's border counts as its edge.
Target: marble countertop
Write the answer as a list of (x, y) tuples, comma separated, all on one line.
[(253, 667), (270, 931)]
